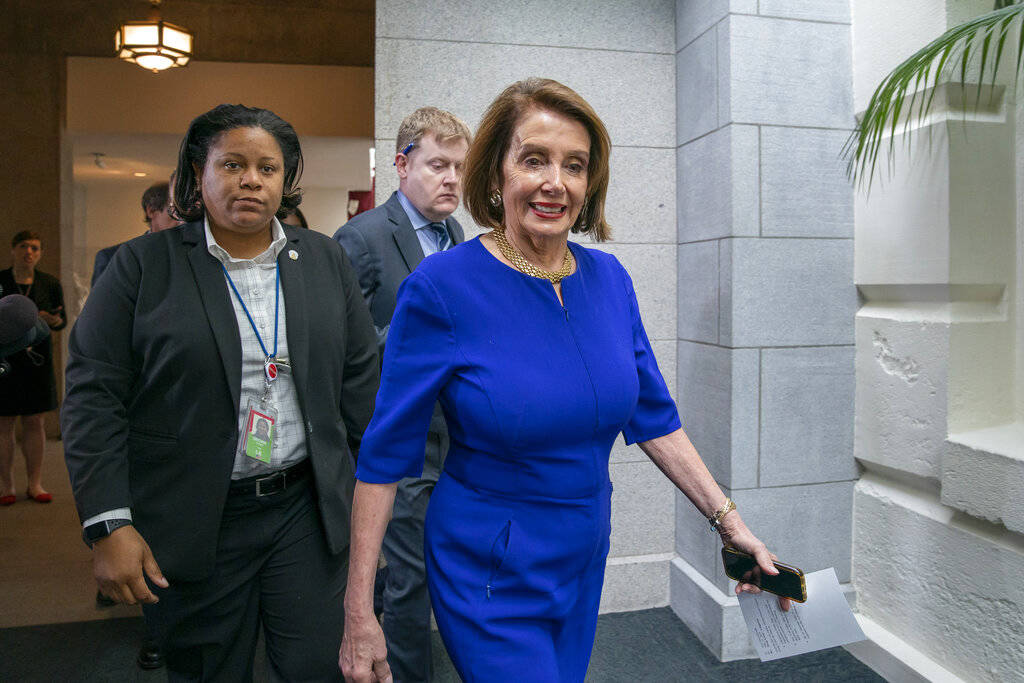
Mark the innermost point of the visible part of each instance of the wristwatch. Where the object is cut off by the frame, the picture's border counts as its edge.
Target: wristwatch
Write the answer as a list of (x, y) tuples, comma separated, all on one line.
[(100, 530)]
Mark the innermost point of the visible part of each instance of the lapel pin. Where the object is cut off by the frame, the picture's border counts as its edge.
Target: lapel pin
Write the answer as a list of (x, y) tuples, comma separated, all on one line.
[(293, 255)]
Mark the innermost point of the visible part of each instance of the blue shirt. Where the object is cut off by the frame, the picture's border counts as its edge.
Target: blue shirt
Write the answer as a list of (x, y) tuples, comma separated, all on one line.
[(534, 392), (424, 233)]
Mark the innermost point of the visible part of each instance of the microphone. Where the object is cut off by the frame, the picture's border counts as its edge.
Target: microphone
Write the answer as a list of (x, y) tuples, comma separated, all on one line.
[(20, 327)]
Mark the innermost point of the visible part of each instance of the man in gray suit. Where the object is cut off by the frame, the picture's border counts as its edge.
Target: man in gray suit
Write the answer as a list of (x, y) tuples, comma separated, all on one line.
[(385, 244)]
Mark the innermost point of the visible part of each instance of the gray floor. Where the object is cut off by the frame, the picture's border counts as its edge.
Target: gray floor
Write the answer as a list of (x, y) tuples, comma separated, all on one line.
[(652, 645)]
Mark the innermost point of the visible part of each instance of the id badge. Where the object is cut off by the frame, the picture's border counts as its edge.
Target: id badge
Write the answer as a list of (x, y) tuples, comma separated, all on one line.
[(257, 440)]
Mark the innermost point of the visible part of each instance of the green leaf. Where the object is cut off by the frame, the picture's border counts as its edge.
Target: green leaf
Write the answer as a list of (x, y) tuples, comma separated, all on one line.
[(959, 45)]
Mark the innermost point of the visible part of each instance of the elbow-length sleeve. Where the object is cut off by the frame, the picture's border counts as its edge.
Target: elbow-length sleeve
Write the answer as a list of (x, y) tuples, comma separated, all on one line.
[(655, 414), (418, 361)]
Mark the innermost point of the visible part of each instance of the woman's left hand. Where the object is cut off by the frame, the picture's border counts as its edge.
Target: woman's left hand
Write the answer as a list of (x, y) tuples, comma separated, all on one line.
[(736, 534), (51, 319)]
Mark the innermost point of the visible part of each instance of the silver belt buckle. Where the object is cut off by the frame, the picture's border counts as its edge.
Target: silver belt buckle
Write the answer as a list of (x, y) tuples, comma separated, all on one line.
[(272, 478)]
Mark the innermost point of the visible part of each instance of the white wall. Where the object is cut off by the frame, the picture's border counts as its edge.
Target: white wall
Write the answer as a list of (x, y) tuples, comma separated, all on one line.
[(938, 514)]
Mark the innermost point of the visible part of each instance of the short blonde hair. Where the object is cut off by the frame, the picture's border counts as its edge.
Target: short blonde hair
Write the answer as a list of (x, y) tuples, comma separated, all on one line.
[(483, 162), (444, 125)]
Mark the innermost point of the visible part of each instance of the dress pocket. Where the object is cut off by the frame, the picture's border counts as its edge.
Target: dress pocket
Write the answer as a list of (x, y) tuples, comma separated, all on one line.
[(499, 549)]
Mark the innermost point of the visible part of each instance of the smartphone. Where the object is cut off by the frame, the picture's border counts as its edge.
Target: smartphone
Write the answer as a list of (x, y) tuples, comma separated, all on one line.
[(788, 583)]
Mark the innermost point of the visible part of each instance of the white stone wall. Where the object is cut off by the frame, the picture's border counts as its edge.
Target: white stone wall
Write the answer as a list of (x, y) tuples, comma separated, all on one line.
[(766, 301), (938, 558), (619, 56)]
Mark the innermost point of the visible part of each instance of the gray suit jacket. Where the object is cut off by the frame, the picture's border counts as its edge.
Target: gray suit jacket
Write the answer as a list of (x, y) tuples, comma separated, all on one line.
[(150, 419), (384, 250)]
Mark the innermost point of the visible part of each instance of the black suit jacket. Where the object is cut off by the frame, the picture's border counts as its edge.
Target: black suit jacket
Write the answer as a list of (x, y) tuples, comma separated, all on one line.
[(150, 419), (384, 250), (103, 257)]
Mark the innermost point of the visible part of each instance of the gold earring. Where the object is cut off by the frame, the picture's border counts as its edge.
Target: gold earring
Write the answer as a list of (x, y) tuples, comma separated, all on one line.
[(495, 198)]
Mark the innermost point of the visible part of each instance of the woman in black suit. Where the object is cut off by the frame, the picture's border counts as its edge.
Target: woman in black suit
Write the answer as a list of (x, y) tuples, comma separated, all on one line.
[(30, 390), (194, 336)]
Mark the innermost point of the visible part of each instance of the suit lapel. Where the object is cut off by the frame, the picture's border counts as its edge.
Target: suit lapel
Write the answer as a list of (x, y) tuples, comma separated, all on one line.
[(213, 291), (403, 233), (293, 287)]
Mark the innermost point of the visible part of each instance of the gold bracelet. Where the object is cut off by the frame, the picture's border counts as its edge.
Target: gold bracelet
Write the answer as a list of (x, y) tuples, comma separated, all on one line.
[(715, 520)]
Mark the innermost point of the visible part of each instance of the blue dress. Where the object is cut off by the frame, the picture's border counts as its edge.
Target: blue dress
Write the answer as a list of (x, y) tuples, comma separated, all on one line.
[(534, 394)]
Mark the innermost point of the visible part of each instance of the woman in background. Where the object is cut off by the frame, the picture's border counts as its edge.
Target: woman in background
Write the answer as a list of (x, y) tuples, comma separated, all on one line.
[(30, 390)]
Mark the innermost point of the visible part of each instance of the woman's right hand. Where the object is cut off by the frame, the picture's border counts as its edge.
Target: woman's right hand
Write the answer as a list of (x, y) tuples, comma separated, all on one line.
[(364, 654)]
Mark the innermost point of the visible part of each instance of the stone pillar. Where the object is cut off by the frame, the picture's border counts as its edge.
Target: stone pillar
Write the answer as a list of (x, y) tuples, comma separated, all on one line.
[(939, 418), (765, 296), (459, 56)]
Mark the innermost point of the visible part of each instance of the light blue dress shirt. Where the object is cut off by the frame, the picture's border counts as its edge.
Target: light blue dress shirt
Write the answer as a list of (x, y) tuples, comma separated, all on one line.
[(425, 234)]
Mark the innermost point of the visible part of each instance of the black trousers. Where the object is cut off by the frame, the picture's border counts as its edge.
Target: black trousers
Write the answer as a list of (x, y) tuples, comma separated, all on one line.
[(405, 618), (273, 569)]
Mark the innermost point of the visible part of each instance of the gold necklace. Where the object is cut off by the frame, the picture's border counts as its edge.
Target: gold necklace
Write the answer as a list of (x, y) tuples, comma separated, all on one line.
[(522, 265)]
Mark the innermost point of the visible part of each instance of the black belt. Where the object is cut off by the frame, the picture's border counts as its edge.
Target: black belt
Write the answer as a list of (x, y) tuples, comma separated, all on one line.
[(272, 483)]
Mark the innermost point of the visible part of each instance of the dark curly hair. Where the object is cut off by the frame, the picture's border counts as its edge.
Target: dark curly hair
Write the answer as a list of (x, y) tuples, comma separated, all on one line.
[(204, 131)]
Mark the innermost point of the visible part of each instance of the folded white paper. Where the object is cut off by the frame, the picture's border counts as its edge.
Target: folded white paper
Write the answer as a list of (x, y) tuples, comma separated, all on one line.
[(825, 620)]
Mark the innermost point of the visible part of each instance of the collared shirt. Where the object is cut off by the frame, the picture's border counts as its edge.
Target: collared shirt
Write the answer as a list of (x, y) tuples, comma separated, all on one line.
[(254, 278), (424, 233)]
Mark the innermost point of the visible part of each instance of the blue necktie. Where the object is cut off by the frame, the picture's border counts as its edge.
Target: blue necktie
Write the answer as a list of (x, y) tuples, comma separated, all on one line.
[(441, 232)]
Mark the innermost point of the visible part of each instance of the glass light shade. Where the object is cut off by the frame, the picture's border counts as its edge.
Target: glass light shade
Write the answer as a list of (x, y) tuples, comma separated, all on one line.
[(154, 62), (154, 45), (177, 40)]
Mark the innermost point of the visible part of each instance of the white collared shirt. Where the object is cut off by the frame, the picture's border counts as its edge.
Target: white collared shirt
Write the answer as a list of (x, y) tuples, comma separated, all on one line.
[(254, 278)]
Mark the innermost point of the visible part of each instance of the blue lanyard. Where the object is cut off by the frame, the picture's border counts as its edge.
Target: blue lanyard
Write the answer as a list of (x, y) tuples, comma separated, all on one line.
[(277, 299)]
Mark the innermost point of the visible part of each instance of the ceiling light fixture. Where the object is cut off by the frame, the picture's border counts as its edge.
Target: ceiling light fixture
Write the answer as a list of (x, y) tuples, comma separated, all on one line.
[(153, 44), (139, 174), (97, 158)]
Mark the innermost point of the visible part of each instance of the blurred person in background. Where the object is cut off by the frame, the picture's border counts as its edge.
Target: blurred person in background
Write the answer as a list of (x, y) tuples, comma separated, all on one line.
[(30, 389), (156, 211)]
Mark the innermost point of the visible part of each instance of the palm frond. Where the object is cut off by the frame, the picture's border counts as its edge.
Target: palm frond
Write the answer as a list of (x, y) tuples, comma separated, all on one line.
[(983, 38)]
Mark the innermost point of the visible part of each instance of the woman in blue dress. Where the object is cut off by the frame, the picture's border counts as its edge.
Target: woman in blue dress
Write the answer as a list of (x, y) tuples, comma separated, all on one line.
[(535, 349)]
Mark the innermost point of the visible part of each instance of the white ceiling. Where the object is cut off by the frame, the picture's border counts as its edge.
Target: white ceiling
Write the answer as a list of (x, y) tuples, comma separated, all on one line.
[(329, 162)]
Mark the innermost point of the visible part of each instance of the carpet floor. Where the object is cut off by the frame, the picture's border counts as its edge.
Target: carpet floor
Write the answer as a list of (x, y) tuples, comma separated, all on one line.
[(52, 630), (650, 645)]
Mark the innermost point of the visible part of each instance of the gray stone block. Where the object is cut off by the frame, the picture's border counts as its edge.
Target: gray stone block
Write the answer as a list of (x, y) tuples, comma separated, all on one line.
[(713, 616), (642, 510), (806, 526), (635, 583), (804, 189), (717, 177), (787, 292), (641, 203), (652, 268), (694, 17), (789, 73), (600, 24), (697, 292), (813, 10), (414, 73), (697, 88), (807, 415), (697, 544), (718, 406), (622, 453)]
